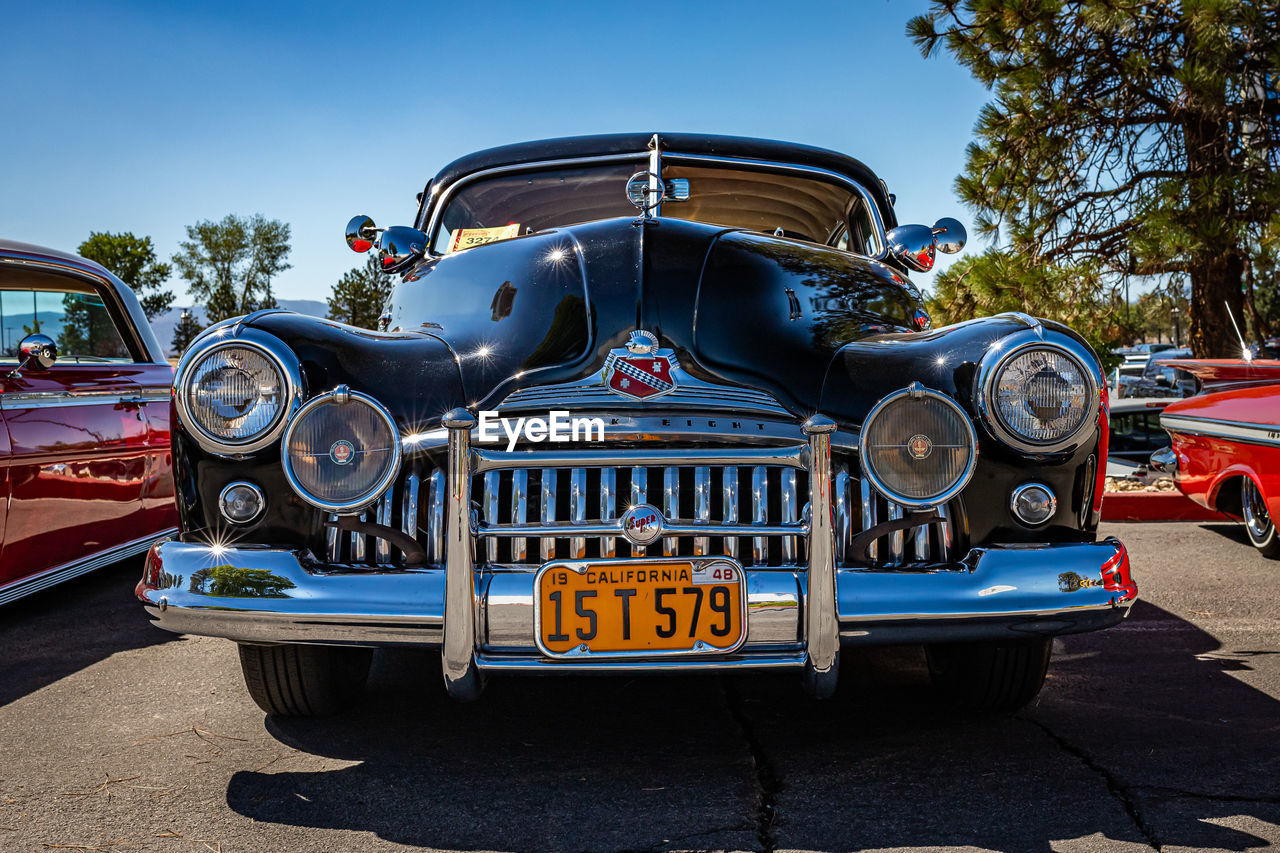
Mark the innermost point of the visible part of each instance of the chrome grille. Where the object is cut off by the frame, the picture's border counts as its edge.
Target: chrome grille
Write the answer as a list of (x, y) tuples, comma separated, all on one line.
[(690, 495), (722, 496)]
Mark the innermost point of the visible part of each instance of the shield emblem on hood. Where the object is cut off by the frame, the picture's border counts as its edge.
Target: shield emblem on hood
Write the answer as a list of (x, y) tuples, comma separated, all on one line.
[(640, 370)]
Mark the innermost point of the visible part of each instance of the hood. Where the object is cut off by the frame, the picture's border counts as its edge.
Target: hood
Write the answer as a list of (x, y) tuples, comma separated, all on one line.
[(738, 308)]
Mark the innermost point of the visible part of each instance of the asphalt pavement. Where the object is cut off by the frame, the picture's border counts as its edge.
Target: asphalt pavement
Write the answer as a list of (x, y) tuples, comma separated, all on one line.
[(1161, 733)]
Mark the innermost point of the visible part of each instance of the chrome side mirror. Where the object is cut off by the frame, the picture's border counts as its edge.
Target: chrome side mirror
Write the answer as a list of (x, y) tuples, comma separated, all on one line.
[(949, 235), (917, 245), (913, 245), (38, 352), (361, 233), (397, 245)]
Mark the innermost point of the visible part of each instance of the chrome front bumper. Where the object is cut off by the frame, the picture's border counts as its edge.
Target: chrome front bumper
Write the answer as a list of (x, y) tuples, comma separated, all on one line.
[(995, 593), (482, 615)]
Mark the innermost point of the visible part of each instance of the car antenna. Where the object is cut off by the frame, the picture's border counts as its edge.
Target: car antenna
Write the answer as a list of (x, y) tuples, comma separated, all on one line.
[(1244, 349)]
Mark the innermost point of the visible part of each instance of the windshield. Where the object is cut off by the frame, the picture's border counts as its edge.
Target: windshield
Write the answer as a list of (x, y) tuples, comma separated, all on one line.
[(795, 206)]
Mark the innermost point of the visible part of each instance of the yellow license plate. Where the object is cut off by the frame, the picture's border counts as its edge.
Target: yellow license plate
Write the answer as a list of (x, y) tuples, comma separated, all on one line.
[(649, 607)]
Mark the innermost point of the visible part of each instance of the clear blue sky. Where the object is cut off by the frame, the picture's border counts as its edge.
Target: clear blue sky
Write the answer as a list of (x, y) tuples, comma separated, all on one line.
[(147, 117)]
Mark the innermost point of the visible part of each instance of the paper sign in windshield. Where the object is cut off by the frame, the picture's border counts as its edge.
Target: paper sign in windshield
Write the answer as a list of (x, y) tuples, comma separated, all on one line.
[(466, 238)]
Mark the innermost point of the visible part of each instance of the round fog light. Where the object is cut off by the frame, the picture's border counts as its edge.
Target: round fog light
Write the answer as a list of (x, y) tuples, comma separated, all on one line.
[(241, 502), (1033, 504)]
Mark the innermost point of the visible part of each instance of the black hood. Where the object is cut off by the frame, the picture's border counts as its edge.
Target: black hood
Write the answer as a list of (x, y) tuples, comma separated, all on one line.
[(739, 308)]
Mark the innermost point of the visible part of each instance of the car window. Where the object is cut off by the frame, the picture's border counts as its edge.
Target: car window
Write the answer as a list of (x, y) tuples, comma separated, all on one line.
[(69, 311), (797, 206)]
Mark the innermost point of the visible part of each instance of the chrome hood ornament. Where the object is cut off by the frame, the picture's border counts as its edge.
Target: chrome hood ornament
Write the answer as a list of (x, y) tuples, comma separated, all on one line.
[(640, 370)]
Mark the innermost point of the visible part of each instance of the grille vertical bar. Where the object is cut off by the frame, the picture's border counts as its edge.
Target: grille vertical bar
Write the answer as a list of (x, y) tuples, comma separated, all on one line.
[(578, 510), (332, 541), (844, 517), (384, 518), (608, 508), (671, 506), (944, 532), (896, 539), (759, 512), (790, 512), (730, 509), (519, 512), (358, 542), (547, 544), (701, 506), (920, 544), (490, 498), (868, 520), (435, 517), (409, 505), (639, 491)]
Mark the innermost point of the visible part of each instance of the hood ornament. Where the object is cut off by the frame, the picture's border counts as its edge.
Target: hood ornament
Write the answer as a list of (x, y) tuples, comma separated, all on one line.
[(640, 370)]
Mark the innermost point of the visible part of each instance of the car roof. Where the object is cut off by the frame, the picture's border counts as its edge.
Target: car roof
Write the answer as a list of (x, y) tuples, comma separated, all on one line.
[(742, 147)]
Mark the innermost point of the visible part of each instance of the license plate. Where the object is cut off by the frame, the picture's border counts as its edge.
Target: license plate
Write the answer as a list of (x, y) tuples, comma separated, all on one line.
[(649, 607)]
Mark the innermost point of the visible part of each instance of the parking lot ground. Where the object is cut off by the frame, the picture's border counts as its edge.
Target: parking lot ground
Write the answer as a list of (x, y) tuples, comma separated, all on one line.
[(1161, 733)]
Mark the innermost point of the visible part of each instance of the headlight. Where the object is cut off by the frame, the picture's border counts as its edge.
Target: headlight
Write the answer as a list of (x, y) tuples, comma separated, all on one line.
[(1039, 397), (235, 395), (341, 451), (918, 447)]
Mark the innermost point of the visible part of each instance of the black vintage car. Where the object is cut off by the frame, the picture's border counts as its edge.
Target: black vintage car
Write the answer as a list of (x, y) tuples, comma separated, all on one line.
[(641, 403)]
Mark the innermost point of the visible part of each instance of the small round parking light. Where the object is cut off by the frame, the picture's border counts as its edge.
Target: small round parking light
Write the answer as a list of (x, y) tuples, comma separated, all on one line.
[(1033, 504), (241, 502)]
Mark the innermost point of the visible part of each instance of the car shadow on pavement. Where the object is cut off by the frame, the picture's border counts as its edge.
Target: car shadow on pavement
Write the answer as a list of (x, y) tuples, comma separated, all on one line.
[(1148, 738), (52, 634)]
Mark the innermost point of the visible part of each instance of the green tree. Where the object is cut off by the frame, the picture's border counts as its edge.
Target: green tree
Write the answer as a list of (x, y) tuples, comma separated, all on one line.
[(229, 265), (133, 260), (184, 332), (1139, 137), (358, 297)]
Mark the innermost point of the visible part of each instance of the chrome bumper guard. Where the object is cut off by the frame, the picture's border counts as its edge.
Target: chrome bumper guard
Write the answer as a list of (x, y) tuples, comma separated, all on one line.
[(798, 616)]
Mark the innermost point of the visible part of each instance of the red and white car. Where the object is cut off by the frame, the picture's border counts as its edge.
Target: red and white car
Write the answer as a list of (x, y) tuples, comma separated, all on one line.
[(84, 407), (1226, 444)]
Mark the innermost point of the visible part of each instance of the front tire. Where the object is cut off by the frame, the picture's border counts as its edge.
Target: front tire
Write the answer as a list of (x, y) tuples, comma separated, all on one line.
[(304, 681), (1257, 521), (991, 676)]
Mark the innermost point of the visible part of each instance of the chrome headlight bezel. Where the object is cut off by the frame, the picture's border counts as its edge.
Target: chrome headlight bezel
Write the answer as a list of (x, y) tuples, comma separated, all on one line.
[(371, 495), (275, 352), (994, 361), (868, 469)]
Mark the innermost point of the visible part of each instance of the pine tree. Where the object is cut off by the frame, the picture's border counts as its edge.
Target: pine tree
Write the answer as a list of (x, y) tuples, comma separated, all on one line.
[(357, 298), (1138, 139), (184, 332)]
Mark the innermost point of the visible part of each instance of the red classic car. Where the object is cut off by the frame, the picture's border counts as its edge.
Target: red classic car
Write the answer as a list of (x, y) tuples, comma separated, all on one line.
[(84, 399), (1226, 444)]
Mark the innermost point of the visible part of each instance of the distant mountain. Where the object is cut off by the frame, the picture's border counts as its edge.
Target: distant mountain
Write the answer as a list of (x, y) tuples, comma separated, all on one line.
[(164, 325)]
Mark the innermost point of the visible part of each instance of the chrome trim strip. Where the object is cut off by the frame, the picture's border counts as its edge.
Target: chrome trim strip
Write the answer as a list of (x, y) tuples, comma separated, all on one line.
[(561, 529), (821, 623), (22, 587), (1216, 428), (27, 400), (488, 460), (457, 653), (740, 661)]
